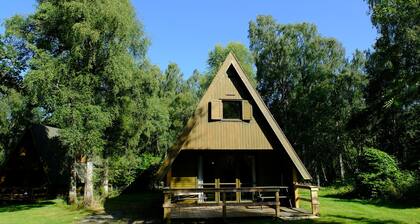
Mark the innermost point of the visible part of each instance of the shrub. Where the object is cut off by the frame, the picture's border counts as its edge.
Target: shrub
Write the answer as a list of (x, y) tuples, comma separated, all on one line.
[(379, 176)]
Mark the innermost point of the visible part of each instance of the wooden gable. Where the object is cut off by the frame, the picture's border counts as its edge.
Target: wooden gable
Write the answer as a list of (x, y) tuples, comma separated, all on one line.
[(213, 131), (256, 130)]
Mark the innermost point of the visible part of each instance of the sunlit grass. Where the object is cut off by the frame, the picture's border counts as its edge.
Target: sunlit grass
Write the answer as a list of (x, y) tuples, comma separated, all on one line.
[(51, 212), (338, 210), (334, 209)]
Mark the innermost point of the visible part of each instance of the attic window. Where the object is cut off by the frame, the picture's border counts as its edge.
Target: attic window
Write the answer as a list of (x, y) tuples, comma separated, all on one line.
[(231, 72), (232, 109)]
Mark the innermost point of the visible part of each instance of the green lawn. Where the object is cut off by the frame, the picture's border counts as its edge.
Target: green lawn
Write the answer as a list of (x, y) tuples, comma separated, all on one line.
[(136, 207), (51, 212), (338, 210)]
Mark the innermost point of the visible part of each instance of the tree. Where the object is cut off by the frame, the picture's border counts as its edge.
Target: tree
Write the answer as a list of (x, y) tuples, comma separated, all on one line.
[(87, 56), (181, 97), (310, 88), (219, 54), (13, 61), (392, 95), (12, 105)]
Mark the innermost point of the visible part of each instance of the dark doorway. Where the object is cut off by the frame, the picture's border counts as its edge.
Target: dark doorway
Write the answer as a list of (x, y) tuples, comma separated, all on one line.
[(229, 169)]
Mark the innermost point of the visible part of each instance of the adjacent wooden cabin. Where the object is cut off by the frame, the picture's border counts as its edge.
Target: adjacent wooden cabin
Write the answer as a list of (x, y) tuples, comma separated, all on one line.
[(35, 168), (232, 152)]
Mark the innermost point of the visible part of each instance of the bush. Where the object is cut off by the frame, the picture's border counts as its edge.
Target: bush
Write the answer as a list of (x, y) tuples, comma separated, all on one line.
[(123, 170), (379, 176)]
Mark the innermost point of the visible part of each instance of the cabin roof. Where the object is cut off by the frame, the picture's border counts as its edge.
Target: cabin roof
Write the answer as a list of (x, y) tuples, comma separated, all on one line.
[(272, 124), (44, 145)]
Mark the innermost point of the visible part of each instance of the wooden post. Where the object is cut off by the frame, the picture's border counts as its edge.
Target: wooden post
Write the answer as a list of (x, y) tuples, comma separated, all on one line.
[(238, 194), (169, 178), (295, 188), (296, 194), (314, 201), (217, 194), (277, 204), (167, 208), (224, 205)]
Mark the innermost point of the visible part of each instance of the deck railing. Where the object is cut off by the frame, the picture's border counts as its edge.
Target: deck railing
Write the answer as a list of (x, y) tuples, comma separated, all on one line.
[(313, 190), (222, 191), (221, 199)]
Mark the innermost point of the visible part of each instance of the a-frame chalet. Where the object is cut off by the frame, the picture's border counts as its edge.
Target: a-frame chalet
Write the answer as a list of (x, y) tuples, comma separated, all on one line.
[(232, 150)]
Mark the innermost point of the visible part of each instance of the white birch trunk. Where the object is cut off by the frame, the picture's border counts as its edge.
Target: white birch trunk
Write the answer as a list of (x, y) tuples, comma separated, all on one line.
[(88, 196), (73, 182), (105, 182), (340, 158)]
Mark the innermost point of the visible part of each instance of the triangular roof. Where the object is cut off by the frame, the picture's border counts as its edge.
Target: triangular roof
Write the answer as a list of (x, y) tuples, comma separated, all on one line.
[(43, 144), (231, 61)]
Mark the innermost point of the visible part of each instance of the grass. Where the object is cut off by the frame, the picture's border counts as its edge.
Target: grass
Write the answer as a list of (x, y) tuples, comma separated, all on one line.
[(50, 211), (336, 209), (147, 206)]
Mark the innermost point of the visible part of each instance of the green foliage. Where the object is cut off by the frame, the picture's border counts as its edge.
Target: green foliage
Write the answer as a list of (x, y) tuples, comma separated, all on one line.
[(124, 169), (84, 63), (89, 76), (13, 113), (310, 88), (181, 98), (380, 177), (219, 54), (13, 60), (12, 119), (392, 95)]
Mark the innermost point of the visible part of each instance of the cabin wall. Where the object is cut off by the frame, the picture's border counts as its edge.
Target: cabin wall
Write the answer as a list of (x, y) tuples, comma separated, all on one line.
[(271, 168), (184, 171)]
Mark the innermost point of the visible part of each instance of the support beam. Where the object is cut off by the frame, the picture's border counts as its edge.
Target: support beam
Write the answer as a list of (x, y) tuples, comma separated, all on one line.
[(295, 188), (167, 208), (296, 194), (277, 204), (314, 201), (224, 205), (217, 185), (238, 194)]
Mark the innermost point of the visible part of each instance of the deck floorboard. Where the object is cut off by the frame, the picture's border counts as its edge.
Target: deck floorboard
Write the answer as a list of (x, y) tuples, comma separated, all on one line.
[(238, 212)]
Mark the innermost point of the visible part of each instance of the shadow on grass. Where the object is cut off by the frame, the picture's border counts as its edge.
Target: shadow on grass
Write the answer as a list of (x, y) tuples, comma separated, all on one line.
[(145, 206), (19, 206), (366, 220)]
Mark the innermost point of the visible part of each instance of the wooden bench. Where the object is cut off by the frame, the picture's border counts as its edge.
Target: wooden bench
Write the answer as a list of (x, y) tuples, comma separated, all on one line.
[(182, 183)]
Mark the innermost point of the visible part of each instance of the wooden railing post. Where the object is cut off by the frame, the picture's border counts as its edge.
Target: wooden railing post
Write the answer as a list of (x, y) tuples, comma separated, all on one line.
[(238, 194), (314, 201), (167, 207), (277, 204), (296, 195), (224, 205), (217, 194)]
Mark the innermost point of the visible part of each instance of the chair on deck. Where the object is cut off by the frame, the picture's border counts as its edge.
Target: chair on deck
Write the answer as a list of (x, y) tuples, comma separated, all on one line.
[(261, 197)]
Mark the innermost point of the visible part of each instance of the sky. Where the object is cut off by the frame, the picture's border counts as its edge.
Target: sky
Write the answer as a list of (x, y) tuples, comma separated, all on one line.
[(185, 31)]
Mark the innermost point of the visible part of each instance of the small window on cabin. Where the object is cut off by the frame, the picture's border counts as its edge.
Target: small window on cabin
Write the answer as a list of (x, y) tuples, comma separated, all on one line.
[(232, 109)]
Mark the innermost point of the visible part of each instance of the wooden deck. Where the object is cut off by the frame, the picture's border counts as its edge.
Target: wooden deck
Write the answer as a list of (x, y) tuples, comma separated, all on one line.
[(239, 212), (221, 208)]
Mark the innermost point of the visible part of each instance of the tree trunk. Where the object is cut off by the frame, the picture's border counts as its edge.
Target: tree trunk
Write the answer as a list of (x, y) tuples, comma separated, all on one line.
[(340, 158), (105, 178), (318, 181), (324, 173), (73, 183), (88, 196)]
